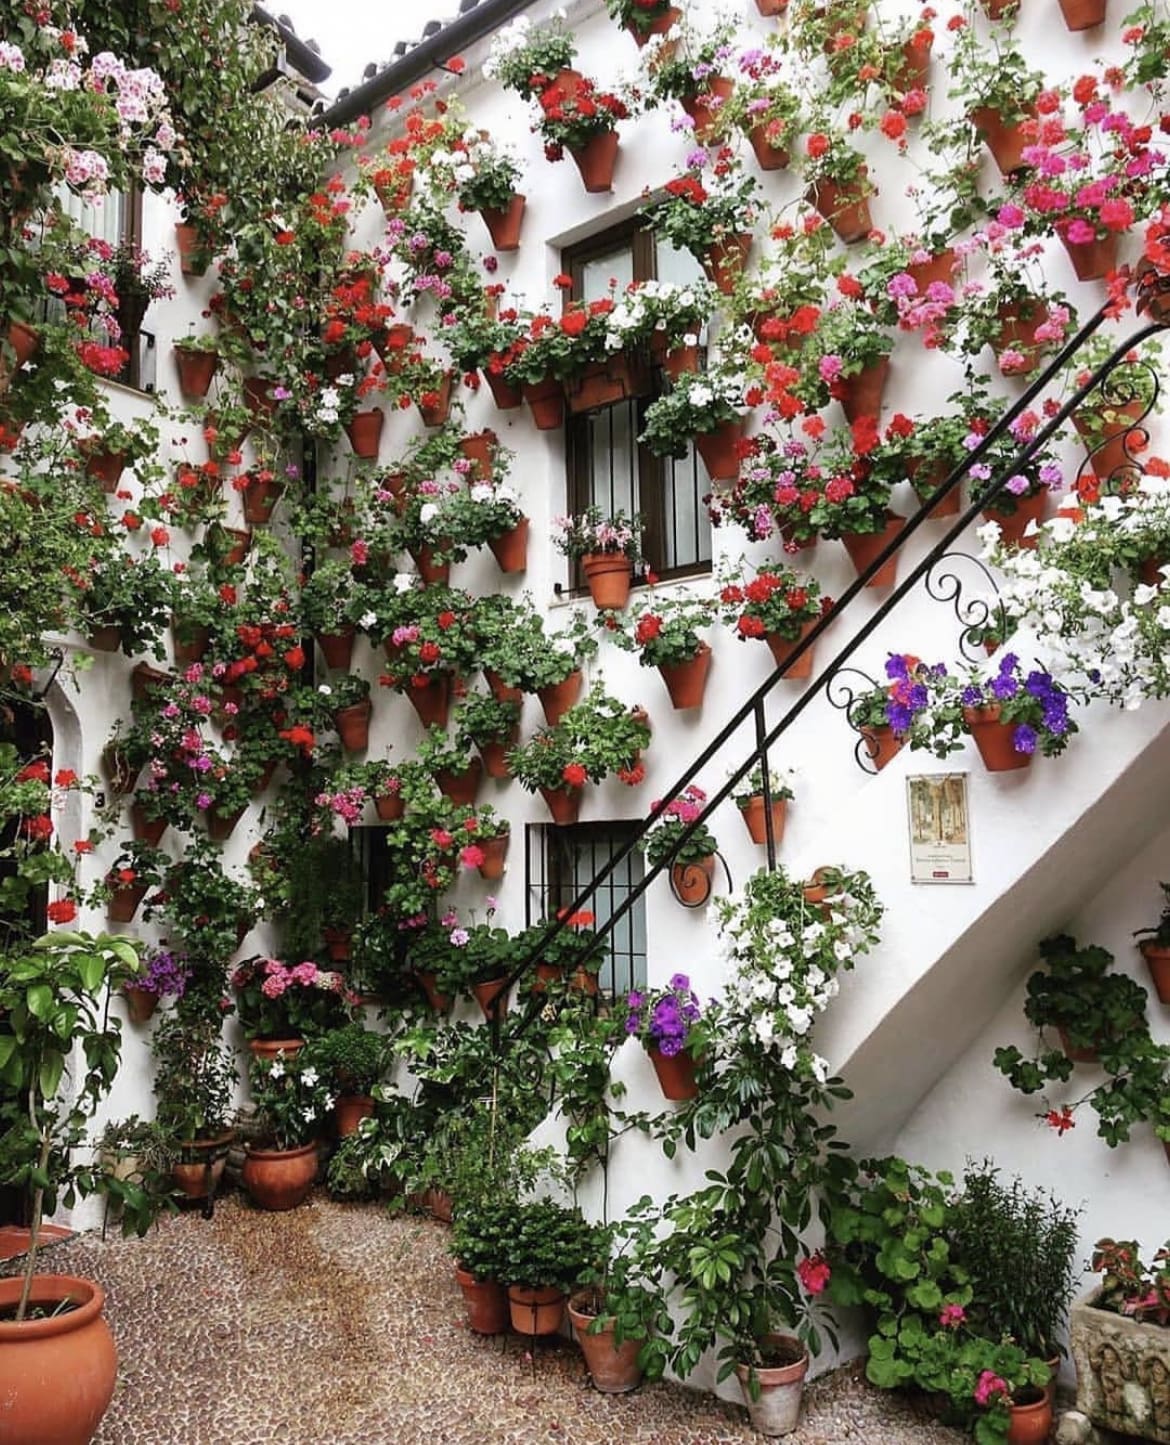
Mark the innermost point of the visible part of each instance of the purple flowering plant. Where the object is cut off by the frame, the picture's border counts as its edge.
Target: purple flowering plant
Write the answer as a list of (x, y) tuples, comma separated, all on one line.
[(166, 973), (1032, 701), (668, 1019)]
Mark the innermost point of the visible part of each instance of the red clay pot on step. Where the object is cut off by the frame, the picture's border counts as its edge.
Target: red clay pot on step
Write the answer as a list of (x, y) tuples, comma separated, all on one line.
[(510, 549), (504, 223), (558, 697), (365, 432), (782, 649), (676, 1074), (687, 681), (994, 739), (609, 575), (755, 818), (596, 160), (719, 450), (864, 547), (546, 402), (845, 207), (486, 1301)]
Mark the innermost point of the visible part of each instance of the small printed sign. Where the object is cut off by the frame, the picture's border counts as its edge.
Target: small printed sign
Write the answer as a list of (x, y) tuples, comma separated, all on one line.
[(940, 828)]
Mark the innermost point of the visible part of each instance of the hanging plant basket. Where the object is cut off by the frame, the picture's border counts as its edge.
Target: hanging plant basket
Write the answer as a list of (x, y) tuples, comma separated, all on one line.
[(995, 740), (140, 1002), (510, 549), (504, 223), (845, 205), (603, 383), (782, 649), (193, 257), (260, 498), (659, 26), (726, 258), (1092, 260), (676, 1074), (558, 697), (492, 997), (596, 161), (1083, 14), (769, 157), (432, 701), (865, 547), (861, 395), (564, 804), (1157, 957), (687, 681), (429, 984), (353, 725), (196, 371), (720, 450), (1109, 435), (364, 431), (1013, 525), (755, 815), (609, 575), (546, 402)]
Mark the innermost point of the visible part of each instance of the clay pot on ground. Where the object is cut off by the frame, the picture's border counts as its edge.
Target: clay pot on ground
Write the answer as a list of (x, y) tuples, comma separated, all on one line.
[(546, 402), (196, 370), (349, 1110), (280, 1179), (726, 259), (609, 575), (337, 648), (1013, 525), (201, 1166), (535, 1311), (687, 681), (1157, 957), (596, 161), (486, 1301), (558, 697), (676, 1074), (504, 223), (510, 549), (994, 739), (57, 1372), (865, 547), (719, 450), (691, 882), (613, 1369), (1031, 1417), (564, 804), (364, 431), (844, 205), (782, 649), (755, 818), (776, 1410)]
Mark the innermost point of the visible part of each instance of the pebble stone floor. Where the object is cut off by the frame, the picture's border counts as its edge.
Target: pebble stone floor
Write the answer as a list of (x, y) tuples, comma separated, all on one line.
[(340, 1325)]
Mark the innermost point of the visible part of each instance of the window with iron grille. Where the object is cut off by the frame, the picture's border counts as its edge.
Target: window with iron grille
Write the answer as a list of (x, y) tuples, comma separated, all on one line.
[(605, 464), (561, 861)]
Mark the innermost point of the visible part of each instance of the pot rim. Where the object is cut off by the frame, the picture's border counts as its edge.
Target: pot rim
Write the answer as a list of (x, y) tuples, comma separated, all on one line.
[(50, 1289), (255, 1152)]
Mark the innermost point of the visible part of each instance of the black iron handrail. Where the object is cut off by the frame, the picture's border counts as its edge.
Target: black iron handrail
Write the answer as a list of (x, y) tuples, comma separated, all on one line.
[(765, 738)]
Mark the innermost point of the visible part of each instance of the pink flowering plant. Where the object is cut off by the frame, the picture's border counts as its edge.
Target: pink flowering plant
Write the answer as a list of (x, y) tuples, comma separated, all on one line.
[(1130, 1287), (671, 818), (275, 1001), (592, 532)]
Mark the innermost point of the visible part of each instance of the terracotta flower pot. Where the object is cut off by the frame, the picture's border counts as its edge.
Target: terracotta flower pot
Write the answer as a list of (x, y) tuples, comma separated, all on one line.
[(504, 223), (680, 360), (754, 817), (658, 26), (189, 643), (782, 650), (861, 395), (994, 739), (769, 157), (432, 571), (461, 787), (240, 544), (506, 396), (925, 484), (220, 825), (939, 268), (676, 1074), (486, 1301), (105, 639), (260, 399), (510, 549), (429, 984), (915, 64), (492, 997), (865, 547), (393, 343), (24, 342), (1031, 1421), (719, 450), (546, 973), (603, 383), (145, 680), (771, 7), (280, 1179), (1077, 1053), (104, 467), (495, 853), (692, 882), (705, 106), (349, 1110), (687, 681), (196, 370), (120, 774), (558, 697), (725, 260), (535, 1311), (1018, 324), (1083, 14), (123, 903), (433, 701), (436, 412), (145, 828), (389, 807), (776, 1410), (609, 575), (1013, 525), (614, 1369), (1111, 436), (546, 402), (1157, 957), (260, 499), (198, 1176), (365, 432), (479, 450), (193, 258), (500, 689), (57, 1372), (140, 1002), (495, 756), (596, 161), (563, 803), (353, 725), (337, 648), (844, 205), (1092, 260), (1004, 139), (884, 745)]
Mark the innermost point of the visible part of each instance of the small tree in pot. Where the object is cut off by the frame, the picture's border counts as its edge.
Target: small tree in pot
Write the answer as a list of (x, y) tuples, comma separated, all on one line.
[(546, 1248)]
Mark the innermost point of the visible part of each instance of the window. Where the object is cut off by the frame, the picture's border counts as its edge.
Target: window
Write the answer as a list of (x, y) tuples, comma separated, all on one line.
[(605, 465), (560, 862)]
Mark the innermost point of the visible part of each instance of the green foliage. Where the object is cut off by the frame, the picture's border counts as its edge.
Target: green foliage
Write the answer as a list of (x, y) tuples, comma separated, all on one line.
[(352, 1058), (544, 1245)]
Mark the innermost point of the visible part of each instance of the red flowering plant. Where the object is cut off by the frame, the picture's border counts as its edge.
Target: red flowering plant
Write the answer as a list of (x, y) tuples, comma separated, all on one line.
[(662, 626), (438, 640), (527, 58), (830, 158), (597, 737), (570, 118), (775, 602), (848, 340), (277, 1001), (698, 211), (390, 172), (562, 347), (855, 495), (30, 854), (353, 317)]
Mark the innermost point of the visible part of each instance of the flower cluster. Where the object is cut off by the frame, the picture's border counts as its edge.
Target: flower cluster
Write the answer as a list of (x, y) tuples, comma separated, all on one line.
[(671, 819), (276, 1001), (668, 1020)]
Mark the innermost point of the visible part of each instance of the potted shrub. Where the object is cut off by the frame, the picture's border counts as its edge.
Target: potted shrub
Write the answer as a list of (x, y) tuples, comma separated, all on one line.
[(1124, 1326), (291, 1103), (60, 976), (778, 605), (606, 548), (703, 407), (664, 630), (669, 1025), (1155, 947), (619, 1314), (692, 862), (477, 1242), (193, 1086), (545, 1248), (351, 1060), (280, 1006), (135, 1159), (748, 797)]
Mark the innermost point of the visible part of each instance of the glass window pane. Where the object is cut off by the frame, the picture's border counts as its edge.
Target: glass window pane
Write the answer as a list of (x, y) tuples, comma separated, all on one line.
[(686, 526), (613, 459), (677, 266), (596, 275)]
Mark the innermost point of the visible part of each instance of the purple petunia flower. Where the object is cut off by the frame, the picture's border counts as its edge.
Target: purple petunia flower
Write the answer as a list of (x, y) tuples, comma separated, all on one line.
[(1024, 739)]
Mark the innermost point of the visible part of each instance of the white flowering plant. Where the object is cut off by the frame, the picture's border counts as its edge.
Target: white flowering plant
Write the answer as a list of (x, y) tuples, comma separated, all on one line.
[(783, 954), (291, 1100), (780, 781), (663, 314), (698, 403)]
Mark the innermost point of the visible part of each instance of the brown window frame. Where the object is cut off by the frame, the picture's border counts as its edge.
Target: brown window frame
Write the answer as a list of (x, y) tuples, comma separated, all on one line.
[(650, 470)]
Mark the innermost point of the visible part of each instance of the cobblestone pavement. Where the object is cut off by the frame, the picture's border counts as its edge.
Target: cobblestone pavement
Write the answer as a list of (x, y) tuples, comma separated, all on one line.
[(340, 1325)]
